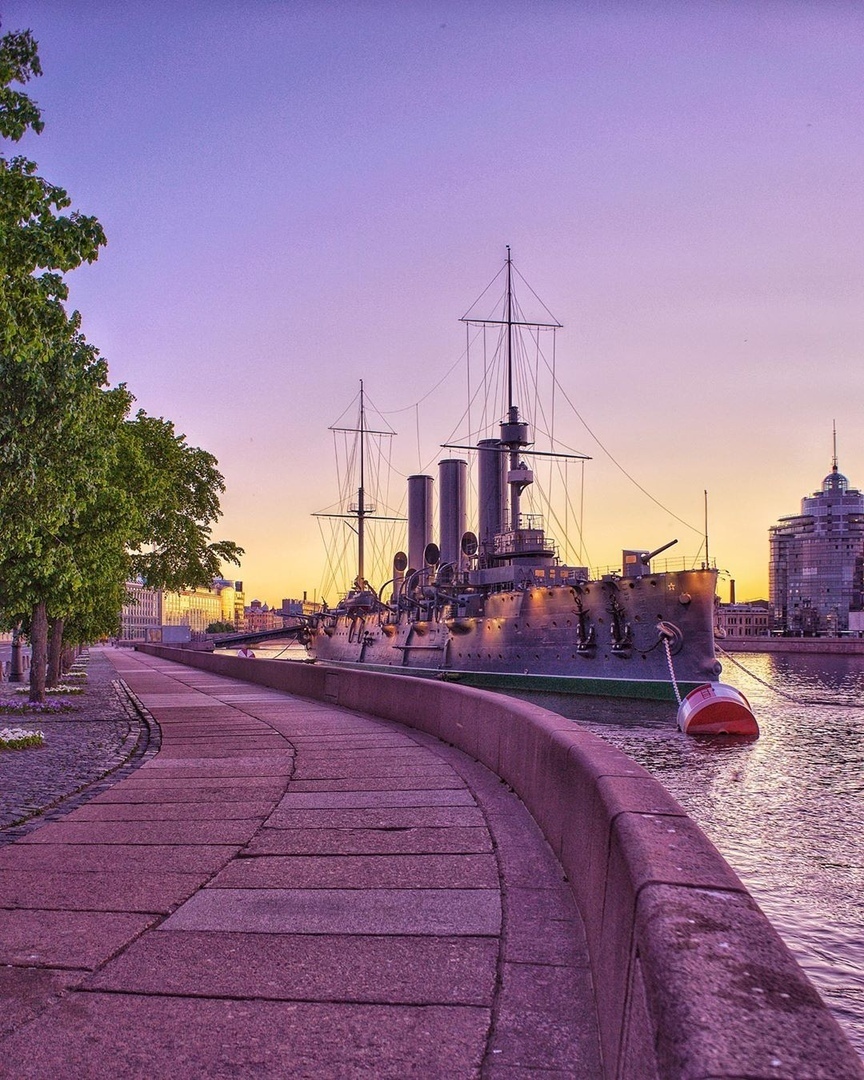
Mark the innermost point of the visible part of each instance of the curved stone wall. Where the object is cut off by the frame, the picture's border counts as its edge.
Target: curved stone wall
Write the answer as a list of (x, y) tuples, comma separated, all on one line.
[(691, 979)]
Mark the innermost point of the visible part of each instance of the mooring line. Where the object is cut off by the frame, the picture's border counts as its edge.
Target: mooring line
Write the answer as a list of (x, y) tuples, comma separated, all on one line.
[(845, 702)]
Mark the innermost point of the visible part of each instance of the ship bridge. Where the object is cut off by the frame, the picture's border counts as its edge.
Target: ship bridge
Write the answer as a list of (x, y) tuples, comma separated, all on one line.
[(528, 540)]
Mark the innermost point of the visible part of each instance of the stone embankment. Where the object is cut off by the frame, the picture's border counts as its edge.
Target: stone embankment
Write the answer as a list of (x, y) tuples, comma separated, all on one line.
[(691, 980), (320, 873), (824, 646)]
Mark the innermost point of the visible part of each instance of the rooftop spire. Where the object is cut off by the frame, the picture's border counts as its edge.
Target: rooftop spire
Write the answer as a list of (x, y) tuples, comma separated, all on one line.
[(834, 458)]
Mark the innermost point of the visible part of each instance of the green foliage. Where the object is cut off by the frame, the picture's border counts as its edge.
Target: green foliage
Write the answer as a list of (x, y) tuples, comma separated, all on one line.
[(19, 61), (220, 628), (177, 491), (89, 498)]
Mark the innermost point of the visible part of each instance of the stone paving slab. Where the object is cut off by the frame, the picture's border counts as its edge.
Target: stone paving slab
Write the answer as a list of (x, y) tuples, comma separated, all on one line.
[(362, 766), (199, 750), (143, 859), (361, 872), (72, 831), (436, 912), (369, 841), (142, 1037), (384, 755), (96, 890), (348, 743), (358, 800), (534, 1029), (191, 791), (442, 817), (66, 939), (428, 781), (173, 811), (213, 769), (355, 924), (303, 967), (25, 992)]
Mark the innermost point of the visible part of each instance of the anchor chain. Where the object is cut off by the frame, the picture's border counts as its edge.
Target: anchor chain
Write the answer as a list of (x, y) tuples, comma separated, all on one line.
[(665, 639), (845, 703)]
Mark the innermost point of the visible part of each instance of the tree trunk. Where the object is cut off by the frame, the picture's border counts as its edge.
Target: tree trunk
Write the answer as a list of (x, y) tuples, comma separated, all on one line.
[(38, 651), (55, 651)]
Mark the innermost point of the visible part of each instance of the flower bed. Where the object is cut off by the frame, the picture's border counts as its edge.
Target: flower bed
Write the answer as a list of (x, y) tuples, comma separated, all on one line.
[(20, 739), (61, 688), (18, 708)]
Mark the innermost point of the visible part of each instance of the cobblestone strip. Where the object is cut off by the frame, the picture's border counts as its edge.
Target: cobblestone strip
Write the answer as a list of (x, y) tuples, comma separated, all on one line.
[(107, 736)]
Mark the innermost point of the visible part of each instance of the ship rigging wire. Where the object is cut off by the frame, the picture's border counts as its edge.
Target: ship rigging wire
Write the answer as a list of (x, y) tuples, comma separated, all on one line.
[(491, 392)]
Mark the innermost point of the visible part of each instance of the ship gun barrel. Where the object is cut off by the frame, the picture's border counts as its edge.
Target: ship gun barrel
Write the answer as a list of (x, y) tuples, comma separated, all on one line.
[(659, 550)]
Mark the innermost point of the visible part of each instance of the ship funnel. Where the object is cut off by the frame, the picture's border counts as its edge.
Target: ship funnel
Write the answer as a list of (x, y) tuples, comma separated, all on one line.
[(452, 509), (419, 517), (491, 498)]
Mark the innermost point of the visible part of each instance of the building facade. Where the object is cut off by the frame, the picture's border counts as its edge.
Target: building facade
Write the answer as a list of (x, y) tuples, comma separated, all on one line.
[(149, 612), (751, 619), (258, 617), (816, 569), (141, 616)]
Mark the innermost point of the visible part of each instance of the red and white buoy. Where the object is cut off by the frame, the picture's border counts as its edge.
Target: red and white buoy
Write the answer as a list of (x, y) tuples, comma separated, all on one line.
[(716, 709)]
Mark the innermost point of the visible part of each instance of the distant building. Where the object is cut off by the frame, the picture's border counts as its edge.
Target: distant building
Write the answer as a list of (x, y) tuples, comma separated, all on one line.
[(299, 607), (752, 619), (816, 569), (142, 613), (258, 617), (150, 611)]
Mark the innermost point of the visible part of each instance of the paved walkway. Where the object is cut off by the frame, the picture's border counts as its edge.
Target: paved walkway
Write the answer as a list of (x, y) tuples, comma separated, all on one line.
[(289, 889)]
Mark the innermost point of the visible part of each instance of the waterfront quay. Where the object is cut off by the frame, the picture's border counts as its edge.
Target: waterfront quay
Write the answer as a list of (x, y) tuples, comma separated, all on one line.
[(331, 881)]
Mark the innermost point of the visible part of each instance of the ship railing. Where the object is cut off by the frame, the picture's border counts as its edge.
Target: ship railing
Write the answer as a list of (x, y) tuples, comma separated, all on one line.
[(658, 566), (521, 541)]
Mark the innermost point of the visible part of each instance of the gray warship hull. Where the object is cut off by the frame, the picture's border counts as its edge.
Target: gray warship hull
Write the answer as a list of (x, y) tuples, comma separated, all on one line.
[(611, 637), (499, 608)]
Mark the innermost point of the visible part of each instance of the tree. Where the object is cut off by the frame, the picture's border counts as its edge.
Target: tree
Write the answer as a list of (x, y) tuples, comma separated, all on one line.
[(50, 378), (177, 489), (88, 496)]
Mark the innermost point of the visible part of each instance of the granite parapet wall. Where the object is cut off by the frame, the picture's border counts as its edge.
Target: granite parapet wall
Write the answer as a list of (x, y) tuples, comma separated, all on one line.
[(691, 980)]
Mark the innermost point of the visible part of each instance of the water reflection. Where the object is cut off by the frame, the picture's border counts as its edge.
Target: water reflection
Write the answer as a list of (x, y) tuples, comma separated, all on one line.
[(786, 811)]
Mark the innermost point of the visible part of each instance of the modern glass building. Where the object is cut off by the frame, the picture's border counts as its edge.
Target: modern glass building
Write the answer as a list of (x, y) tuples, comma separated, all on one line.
[(816, 572)]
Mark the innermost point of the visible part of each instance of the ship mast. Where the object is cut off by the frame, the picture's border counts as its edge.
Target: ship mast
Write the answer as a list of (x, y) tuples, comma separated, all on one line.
[(361, 500), (364, 509), (514, 434)]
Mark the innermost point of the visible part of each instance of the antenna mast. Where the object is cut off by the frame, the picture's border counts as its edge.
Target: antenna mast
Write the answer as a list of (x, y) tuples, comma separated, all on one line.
[(361, 503), (707, 559)]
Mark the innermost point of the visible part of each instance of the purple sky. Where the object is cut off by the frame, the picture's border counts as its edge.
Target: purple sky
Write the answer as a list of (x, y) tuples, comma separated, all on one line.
[(299, 195)]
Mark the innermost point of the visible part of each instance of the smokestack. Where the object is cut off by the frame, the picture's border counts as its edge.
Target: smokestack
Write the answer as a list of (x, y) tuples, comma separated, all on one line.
[(419, 519), (452, 509), (731, 590), (491, 460)]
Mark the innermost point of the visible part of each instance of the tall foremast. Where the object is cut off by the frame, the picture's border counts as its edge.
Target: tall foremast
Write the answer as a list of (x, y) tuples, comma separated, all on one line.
[(363, 508), (512, 538)]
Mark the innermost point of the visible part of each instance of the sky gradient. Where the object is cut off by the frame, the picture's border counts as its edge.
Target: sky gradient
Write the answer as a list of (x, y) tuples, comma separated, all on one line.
[(300, 195)]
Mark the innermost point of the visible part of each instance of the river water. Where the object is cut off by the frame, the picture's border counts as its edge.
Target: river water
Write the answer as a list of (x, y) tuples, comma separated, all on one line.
[(786, 810)]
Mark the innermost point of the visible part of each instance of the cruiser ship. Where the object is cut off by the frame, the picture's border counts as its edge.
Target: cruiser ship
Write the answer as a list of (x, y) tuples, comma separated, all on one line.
[(494, 605)]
